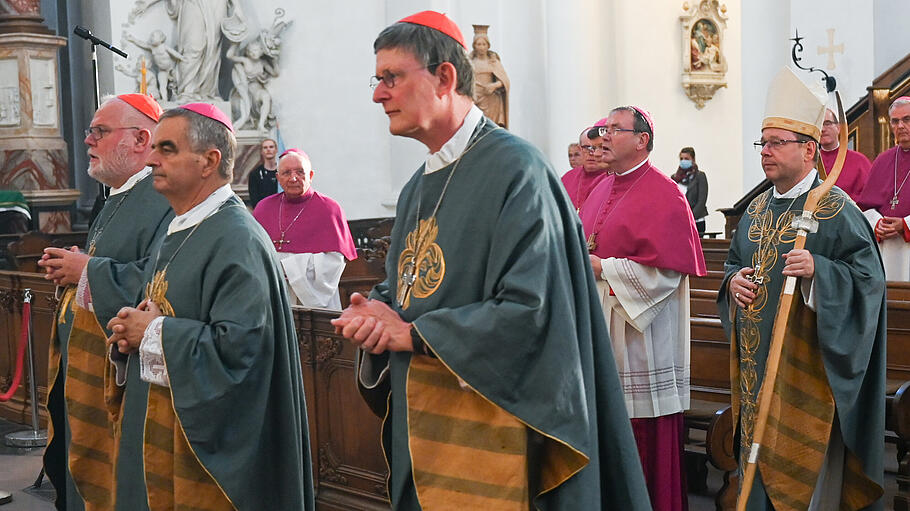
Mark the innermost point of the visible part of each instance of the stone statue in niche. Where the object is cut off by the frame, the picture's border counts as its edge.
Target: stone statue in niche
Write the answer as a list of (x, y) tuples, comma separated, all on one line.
[(491, 83), (164, 60), (255, 64), (200, 27)]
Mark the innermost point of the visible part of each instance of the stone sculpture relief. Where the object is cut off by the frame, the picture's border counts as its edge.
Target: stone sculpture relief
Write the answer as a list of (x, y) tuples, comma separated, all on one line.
[(255, 64), (9, 92), (184, 60), (163, 58)]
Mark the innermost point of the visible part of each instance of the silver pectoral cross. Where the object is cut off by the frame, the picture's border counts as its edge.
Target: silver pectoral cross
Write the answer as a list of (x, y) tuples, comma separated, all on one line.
[(755, 279), (408, 278), (280, 243), (894, 202)]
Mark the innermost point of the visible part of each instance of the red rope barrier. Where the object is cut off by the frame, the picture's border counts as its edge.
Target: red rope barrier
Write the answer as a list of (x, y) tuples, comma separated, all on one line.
[(20, 353)]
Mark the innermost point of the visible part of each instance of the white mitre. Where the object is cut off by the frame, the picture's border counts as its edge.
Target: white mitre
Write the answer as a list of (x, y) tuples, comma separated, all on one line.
[(794, 106)]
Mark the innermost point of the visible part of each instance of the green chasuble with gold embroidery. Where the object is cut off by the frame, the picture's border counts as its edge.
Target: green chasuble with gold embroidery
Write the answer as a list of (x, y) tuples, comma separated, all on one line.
[(833, 360), (522, 373), (230, 432), (96, 425)]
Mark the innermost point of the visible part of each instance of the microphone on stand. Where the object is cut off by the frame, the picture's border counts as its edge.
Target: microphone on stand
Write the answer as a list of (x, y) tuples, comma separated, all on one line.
[(87, 35)]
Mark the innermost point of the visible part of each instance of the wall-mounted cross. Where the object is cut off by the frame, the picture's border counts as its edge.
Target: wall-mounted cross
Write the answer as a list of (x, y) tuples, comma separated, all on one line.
[(831, 49)]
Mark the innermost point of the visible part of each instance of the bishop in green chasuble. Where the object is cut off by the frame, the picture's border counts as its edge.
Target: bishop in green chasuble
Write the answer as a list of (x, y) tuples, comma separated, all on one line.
[(833, 365), (96, 412), (226, 425), (822, 444)]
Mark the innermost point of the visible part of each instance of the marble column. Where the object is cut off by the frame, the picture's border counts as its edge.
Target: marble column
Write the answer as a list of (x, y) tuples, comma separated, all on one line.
[(33, 156)]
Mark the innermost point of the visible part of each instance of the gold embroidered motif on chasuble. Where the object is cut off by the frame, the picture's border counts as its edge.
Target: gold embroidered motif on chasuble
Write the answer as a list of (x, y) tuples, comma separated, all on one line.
[(156, 290), (421, 265)]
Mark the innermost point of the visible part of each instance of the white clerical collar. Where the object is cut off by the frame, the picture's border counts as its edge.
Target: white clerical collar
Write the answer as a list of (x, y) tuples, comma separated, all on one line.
[(633, 169), (452, 149), (800, 188), (135, 178), (201, 211)]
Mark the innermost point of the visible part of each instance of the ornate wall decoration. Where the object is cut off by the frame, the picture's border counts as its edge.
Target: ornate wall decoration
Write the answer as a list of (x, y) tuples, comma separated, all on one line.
[(328, 465), (704, 61), (181, 63), (327, 348)]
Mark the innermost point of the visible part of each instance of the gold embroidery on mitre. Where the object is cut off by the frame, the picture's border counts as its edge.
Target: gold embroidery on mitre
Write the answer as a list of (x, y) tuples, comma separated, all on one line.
[(421, 265), (155, 291)]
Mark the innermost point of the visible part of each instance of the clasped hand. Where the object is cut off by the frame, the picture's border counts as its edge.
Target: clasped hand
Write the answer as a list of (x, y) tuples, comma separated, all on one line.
[(373, 326), (63, 266), (129, 325), (889, 227), (798, 263)]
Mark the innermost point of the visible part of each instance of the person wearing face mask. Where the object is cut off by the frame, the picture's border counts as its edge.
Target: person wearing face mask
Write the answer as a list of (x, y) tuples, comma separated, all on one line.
[(694, 184)]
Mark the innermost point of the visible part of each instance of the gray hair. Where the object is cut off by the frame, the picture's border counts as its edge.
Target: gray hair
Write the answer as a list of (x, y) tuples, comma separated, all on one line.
[(901, 101), (431, 48), (204, 134)]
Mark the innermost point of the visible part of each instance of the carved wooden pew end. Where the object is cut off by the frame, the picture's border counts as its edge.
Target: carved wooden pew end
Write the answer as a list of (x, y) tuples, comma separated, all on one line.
[(716, 446)]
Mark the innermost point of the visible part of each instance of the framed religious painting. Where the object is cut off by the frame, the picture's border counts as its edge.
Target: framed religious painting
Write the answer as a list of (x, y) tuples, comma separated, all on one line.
[(704, 62)]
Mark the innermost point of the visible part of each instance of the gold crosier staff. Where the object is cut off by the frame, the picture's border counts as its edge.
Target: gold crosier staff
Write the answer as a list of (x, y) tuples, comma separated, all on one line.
[(804, 224)]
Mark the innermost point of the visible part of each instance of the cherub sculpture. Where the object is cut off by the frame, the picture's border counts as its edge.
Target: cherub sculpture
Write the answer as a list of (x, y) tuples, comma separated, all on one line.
[(164, 59)]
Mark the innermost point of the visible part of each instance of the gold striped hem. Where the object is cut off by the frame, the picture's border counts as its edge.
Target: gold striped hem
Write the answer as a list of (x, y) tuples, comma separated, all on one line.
[(159, 436), (801, 439), (786, 466), (469, 487), (464, 433), (579, 461), (807, 403), (83, 451), (156, 480), (94, 494), (84, 377), (87, 414)]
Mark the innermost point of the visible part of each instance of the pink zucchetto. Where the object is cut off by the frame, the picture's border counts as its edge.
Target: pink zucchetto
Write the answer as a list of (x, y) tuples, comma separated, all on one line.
[(210, 111), (647, 115)]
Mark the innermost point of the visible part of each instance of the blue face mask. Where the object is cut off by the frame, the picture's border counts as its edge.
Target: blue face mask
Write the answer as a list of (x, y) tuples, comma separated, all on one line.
[(685, 164)]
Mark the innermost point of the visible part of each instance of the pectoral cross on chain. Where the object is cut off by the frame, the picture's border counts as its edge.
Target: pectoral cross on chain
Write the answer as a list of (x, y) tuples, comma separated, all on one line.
[(280, 243), (894, 202), (408, 278), (754, 279), (592, 244)]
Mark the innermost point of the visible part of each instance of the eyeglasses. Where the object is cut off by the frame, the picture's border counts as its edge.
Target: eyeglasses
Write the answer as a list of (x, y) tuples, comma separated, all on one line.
[(388, 78), (829, 124), (905, 120), (591, 148), (98, 132), (775, 144), (612, 130)]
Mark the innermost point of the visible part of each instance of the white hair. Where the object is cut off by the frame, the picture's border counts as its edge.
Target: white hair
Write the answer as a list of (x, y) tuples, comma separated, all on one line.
[(901, 101)]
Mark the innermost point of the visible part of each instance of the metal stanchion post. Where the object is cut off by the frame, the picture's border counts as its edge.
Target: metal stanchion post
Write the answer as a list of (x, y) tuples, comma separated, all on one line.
[(34, 437)]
